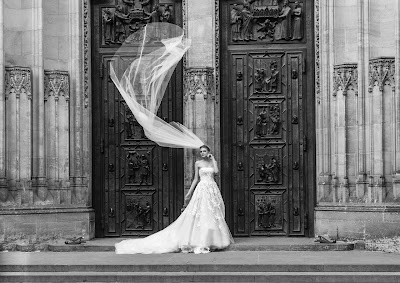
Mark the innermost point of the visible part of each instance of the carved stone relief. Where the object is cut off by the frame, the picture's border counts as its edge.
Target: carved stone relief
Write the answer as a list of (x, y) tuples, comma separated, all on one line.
[(120, 22), (56, 84), (268, 121), (18, 82), (380, 71), (133, 129), (268, 167), (266, 20), (138, 171), (345, 77), (138, 212), (200, 81), (268, 209)]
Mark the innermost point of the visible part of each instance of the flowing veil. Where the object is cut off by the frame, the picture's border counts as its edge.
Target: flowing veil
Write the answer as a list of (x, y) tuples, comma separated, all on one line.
[(143, 83)]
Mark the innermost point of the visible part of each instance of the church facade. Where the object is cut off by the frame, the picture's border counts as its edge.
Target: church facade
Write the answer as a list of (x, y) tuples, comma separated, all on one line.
[(298, 100)]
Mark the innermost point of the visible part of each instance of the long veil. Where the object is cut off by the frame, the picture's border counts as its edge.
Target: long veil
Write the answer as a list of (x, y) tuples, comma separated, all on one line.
[(143, 83)]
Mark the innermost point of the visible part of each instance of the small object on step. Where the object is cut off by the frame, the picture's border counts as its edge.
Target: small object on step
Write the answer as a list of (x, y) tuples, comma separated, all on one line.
[(75, 241), (324, 239)]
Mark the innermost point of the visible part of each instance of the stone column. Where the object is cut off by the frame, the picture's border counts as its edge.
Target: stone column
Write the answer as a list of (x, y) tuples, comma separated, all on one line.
[(324, 108), (78, 180), (363, 59), (3, 179), (396, 133), (39, 181), (201, 105)]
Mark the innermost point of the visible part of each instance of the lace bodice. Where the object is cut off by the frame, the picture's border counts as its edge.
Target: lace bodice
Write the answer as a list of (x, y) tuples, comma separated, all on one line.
[(206, 174)]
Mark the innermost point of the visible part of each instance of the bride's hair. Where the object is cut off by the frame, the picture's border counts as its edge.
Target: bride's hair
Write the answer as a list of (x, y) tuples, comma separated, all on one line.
[(206, 147)]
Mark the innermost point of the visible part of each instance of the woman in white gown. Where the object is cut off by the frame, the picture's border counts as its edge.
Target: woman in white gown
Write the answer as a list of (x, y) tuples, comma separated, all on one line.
[(200, 228)]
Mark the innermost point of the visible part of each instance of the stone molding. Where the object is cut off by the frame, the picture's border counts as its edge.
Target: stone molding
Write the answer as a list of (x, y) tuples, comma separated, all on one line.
[(345, 77), (56, 83), (381, 70), (217, 51), (18, 79), (86, 53), (317, 52), (199, 80)]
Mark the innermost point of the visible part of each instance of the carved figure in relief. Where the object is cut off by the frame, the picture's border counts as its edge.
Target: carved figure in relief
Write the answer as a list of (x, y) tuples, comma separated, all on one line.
[(145, 5), (141, 214), (272, 80), (154, 17), (132, 127), (166, 15), (248, 21), (120, 19), (236, 23), (262, 123), (267, 28), (258, 79), (133, 167), (130, 4), (266, 213), (144, 170), (272, 170), (275, 119), (297, 22), (108, 22), (283, 26)]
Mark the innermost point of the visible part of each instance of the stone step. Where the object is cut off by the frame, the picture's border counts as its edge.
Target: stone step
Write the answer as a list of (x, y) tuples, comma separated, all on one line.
[(241, 244), (200, 277), (190, 267)]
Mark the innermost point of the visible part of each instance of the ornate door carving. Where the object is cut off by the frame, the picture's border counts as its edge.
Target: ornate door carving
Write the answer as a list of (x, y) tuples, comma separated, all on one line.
[(267, 91), (138, 185)]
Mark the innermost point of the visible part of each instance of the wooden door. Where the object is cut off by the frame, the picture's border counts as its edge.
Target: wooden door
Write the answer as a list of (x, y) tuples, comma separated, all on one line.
[(137, 185), (267, 112)]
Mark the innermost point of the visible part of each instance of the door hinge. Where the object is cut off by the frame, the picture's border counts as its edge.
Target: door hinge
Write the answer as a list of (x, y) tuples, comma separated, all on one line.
[(101, 69), (304, 67), (304, 143), (306, 221)]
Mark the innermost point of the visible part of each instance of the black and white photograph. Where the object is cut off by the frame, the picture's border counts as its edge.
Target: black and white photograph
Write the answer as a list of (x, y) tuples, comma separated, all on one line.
[(200, 141)]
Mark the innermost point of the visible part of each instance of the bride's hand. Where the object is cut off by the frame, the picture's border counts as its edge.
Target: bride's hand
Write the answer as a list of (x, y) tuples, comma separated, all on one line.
[(210, 156)]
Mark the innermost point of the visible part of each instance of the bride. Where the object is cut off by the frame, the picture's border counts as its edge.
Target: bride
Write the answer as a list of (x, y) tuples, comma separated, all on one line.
[(200, 228)]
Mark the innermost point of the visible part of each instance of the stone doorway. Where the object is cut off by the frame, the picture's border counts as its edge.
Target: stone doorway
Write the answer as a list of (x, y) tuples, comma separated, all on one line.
[(267, 116), (137, 185)]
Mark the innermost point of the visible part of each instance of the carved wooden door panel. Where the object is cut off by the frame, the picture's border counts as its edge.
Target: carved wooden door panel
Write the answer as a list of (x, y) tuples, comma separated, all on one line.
[(137, 185), (266, 95)]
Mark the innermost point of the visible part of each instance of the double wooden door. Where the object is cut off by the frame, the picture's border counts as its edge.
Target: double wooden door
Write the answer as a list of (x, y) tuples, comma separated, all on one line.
[(137, 185), (267, 116)]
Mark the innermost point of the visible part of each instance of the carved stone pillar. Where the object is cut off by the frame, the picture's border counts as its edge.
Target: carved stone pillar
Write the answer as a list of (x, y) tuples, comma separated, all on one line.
[(201, 100), (199, 112), (56, 97), (39, 181), (3, 179), (381, 71), (345, 83), (325, 87), (78, 180), (18, 96), (396, 106), (363, 61)]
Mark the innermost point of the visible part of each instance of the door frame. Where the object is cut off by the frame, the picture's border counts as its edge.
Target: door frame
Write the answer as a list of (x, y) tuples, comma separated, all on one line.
[(223, 65)]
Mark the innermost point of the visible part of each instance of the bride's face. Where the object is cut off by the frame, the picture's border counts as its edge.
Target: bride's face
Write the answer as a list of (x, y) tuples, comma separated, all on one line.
[(203, 152)]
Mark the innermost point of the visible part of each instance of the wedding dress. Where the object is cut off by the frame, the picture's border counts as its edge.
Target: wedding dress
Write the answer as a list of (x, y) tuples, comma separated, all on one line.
[(200, 228)]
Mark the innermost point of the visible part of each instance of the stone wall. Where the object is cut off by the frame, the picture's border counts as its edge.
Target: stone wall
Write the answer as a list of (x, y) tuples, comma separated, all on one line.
[(45, 121), (201, 105), (357, 118)]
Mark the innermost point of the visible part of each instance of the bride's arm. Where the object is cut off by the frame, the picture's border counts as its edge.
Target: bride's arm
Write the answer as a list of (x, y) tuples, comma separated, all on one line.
[(194, 183), (216, 170)]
